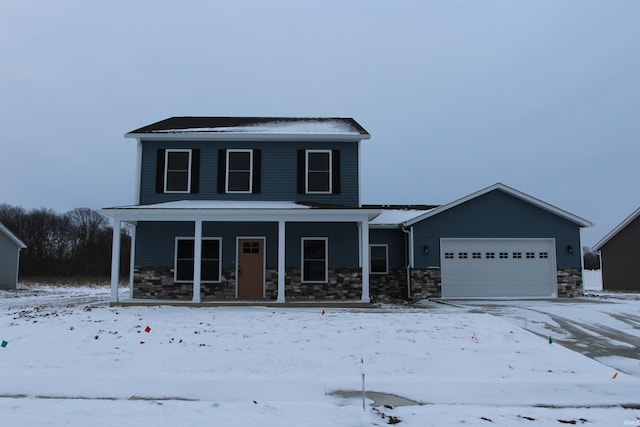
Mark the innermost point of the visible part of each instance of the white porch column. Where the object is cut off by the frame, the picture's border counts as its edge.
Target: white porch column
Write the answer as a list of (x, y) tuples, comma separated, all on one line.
[(197, 260), (132, 259), (364, 238), (115, 260), (281, 259)]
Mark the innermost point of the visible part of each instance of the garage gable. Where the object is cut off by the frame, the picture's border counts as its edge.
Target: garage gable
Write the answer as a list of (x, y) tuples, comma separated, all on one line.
[(497, 212)]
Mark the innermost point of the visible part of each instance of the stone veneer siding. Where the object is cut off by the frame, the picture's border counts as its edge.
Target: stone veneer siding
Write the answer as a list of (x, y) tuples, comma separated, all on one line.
[(157, 283), (392, 285), (570, 282), (343, 284)]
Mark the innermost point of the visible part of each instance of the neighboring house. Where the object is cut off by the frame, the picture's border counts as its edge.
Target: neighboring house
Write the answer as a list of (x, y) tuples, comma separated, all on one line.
[(269, 209), (10, 247), (620, 255)]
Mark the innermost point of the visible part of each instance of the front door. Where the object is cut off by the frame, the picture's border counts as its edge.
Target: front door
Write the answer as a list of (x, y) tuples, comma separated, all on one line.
[(250, 268)]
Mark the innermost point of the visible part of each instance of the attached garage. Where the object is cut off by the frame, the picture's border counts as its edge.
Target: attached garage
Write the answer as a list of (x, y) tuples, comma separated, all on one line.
[(495, 243), (498, 268)]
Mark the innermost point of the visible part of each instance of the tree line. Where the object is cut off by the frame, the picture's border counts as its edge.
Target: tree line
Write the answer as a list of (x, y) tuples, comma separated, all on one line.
[(72, 245)]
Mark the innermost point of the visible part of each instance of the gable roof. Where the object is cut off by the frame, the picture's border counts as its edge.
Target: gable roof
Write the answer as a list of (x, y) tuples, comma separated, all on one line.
[(19, 243), (198, 126), (511, 191), (628, 220)]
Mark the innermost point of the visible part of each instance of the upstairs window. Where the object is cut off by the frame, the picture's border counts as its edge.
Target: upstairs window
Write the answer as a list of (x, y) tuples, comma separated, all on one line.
[(239, 171), (314, 260), (318, 171), (177, 171)]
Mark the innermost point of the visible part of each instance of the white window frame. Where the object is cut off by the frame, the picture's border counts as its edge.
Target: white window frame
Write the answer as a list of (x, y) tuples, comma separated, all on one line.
[(386, 258), (175, 259), (228, 171), (326, 259), (166, 169), (306, 171)]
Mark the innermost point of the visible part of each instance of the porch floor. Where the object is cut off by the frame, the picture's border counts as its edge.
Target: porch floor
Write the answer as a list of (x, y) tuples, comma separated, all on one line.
[(242, 303)]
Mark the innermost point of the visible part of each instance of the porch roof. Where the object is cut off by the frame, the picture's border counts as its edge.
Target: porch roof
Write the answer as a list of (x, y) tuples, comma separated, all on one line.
[(238, 210)]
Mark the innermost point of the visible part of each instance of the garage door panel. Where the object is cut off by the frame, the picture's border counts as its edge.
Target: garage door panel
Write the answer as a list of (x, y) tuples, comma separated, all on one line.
[(497, 268)]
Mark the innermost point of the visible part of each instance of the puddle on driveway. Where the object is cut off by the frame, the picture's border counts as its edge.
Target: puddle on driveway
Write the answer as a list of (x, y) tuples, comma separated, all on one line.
[(378, 398)]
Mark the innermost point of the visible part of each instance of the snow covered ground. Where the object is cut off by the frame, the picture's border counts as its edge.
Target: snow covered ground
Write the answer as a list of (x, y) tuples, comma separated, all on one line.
[(71, 360)]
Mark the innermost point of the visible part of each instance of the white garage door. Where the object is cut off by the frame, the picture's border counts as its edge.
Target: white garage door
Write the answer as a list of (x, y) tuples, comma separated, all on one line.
[(498, 268)]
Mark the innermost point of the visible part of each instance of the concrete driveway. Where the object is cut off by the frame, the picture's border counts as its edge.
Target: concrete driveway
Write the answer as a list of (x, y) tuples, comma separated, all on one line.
[(603, 327)]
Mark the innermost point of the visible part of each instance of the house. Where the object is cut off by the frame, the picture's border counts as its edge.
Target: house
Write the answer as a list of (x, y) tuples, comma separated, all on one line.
[(10, 247), (620, 255), (269, 209)]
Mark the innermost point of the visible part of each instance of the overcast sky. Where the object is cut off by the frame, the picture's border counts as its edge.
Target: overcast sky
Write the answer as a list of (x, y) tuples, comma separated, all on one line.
[(543, 96)]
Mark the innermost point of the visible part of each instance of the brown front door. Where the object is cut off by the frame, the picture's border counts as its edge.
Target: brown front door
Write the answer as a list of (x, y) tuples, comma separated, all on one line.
[(250, 268)]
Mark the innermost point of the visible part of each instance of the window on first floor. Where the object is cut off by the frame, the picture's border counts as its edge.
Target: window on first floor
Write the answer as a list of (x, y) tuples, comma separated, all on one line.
[(379, 259), (314, 259), (210, 264)]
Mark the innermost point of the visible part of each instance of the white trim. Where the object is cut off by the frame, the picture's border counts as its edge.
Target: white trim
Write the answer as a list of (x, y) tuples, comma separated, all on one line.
[(132, 258), (226, 184), (628, 220), (19, 243), (175, 259), (264, 261), (364, 236), (281, 261), (386, 258), (166, 169), (511, 191), (115, 260), (249, 137), (138, 180), (237, 213), (306, 171), (326, 259)]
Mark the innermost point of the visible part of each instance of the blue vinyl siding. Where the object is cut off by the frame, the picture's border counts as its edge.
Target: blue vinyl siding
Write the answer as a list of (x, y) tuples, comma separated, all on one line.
[(396, 241), (155, 241), (278, 171), (342, 240), (499, 215)]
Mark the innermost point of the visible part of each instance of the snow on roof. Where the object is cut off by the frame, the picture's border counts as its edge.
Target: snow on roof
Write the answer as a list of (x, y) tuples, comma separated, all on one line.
[(301, 127), (255, 125), (12, 237), (218, 204), (396, 217)]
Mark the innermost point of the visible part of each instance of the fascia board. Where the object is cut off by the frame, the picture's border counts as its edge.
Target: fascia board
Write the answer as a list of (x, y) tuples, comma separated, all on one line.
[(241, 215), (616, 230), (12, 237), (511, 191), (247, 136)]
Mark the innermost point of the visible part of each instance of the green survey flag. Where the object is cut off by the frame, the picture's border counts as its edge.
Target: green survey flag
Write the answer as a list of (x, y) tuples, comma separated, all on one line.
[(550, 340), (4, 344)]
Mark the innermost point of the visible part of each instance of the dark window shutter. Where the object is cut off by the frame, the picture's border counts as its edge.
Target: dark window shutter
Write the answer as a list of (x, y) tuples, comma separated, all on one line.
[(195, 171), (257, 169), (160, 172), (335, 171), (301, 171), (222, 170)]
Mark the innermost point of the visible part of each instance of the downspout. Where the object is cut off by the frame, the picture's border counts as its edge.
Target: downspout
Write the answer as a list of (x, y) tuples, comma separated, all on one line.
[(409, 253)]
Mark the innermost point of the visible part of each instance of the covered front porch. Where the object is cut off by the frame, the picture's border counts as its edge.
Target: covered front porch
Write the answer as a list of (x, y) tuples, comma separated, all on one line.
[(279, 237)]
